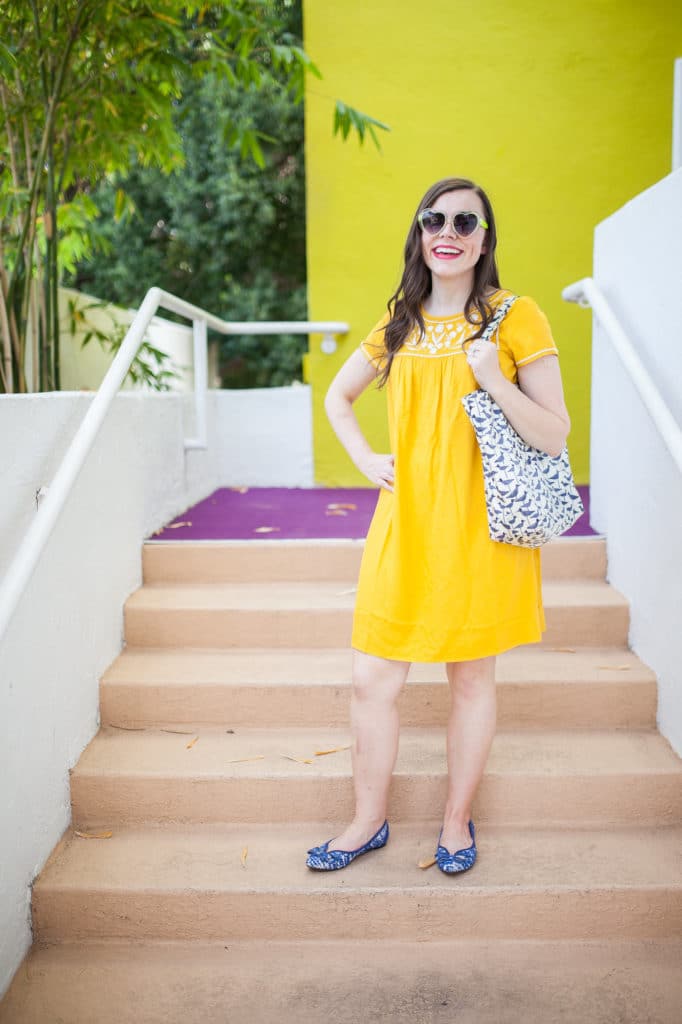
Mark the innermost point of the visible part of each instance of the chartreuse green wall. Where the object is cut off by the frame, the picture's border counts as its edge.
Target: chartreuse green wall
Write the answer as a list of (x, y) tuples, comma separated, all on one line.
[(561, 111)]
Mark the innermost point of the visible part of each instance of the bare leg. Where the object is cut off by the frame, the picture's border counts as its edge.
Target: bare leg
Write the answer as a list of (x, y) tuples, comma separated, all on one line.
[(375, 727), (471, 729)]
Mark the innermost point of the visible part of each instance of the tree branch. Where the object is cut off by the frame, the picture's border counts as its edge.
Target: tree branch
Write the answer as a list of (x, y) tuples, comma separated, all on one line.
[(10, 137), (6, 342), (9, 326), (42, 149)]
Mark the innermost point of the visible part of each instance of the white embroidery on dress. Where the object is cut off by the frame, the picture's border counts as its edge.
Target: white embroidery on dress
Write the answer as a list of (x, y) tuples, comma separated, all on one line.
[(443, 338), (440, 338)]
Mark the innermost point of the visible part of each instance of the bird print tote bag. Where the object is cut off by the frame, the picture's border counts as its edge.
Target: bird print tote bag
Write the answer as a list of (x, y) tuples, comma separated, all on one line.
[(530, 496)]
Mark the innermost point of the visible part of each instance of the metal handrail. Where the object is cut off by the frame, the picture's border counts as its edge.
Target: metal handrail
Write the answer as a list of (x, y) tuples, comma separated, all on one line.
[(23, 565), (587, 293)]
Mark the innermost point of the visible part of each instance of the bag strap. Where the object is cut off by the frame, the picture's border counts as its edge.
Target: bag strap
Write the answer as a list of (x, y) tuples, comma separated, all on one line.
[(499, 316)]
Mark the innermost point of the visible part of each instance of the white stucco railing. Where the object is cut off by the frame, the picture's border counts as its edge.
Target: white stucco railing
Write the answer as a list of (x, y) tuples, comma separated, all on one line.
[(26, 559), (587, 293)]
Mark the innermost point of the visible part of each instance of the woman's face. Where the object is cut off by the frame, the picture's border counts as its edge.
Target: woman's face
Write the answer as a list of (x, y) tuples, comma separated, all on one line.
[(448, 256)]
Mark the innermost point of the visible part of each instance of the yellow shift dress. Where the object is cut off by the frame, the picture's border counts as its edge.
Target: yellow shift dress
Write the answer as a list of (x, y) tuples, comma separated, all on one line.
[(432, 585)]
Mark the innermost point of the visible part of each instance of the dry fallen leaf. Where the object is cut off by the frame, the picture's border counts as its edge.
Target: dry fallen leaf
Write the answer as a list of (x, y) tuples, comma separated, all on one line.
[(191, 743), (175, 526), (298, 760), (341, 504), (93, 835), (564, 650), (266, 529), (423, 864), (245, 853), (240, 490), (334, 750), (335, 512), (240, 760), (615, 668)]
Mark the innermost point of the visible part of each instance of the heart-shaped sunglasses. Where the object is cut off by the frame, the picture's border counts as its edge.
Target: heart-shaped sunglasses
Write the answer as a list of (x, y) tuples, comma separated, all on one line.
[(463, 224)]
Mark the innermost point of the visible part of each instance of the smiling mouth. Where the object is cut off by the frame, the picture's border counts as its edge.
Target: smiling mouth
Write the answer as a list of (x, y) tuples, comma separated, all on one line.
[(446, 252)]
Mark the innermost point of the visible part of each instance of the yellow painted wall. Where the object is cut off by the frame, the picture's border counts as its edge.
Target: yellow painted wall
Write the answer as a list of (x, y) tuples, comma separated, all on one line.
[(562, 112)]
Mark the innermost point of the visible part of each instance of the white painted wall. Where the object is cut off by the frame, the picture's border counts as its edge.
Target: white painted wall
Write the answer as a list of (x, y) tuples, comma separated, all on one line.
[(266, 437), (84, 368), (636, 489), (69, 625)]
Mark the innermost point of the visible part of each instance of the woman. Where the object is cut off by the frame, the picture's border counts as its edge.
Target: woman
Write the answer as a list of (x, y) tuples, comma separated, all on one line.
[(433, 587)]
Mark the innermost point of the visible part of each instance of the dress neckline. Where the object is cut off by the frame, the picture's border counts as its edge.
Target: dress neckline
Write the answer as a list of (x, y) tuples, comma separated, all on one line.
[(456, 316)]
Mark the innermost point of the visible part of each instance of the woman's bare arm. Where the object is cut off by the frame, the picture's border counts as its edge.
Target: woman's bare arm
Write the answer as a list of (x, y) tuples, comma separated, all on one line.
[(356, 374), (536, 408)]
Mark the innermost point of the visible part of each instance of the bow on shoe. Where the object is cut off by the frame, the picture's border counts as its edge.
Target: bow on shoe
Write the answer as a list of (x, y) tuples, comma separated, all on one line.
[(321, 858), (461, 860), (319, 849)]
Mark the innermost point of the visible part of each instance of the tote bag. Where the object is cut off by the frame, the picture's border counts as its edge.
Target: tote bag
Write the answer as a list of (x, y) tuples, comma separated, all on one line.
[(530, 496)]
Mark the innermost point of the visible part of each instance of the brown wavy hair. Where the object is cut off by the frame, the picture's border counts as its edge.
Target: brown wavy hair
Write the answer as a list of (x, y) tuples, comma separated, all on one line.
[(404, 306)]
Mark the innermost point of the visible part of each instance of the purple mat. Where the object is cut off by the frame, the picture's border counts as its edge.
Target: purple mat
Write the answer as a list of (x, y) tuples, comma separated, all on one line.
[(289, 513)]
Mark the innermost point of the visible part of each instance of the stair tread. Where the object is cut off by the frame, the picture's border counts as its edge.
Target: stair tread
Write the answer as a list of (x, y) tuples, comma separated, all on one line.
[(165, 753), (479, 982), (309, 667), (328, 595), (201, 858)]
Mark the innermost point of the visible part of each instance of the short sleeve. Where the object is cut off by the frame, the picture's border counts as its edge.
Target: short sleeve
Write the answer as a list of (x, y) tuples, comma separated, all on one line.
[(525, 334), (373, 347)]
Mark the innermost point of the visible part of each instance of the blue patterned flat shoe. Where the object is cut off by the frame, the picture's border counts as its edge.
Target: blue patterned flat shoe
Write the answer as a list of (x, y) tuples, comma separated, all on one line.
[(322, 859), (462, 860)]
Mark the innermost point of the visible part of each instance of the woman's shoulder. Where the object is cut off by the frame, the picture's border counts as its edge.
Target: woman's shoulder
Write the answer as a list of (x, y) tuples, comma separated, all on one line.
[(373, 345), (524, 310), (525, 331), (376, 335), (521, 303)]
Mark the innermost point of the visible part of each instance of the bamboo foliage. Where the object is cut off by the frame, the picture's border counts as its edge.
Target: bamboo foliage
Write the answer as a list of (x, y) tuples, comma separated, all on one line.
[(86, 86), (63, 59)]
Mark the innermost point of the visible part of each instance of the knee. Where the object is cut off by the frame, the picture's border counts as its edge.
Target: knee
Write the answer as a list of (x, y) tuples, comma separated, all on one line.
[(372, 686), (366, 688), (470, 679)]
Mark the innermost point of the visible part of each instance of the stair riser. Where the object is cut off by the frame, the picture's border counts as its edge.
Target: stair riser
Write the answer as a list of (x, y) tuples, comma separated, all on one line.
[(181, 627), (542, 705), (512, 799), (255, 561), (412, 914), (404, 982)]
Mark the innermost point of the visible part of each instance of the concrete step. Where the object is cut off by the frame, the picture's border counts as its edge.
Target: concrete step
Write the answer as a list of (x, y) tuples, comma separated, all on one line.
[(585, 688), (350, 982), (250, 882), (578, 613), (272, 560), (250, 775)]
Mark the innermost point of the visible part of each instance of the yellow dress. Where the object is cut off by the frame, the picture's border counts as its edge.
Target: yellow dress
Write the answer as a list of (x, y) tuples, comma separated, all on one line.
[(432, 585)]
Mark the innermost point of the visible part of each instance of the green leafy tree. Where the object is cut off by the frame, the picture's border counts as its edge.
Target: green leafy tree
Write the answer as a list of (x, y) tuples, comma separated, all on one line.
[(222, 232), (88, 88)]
